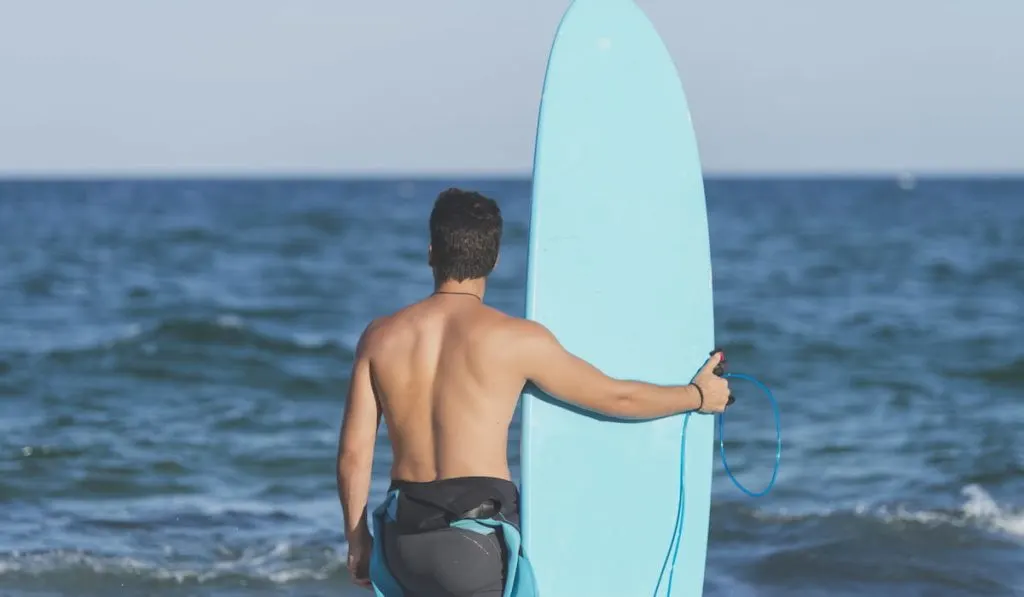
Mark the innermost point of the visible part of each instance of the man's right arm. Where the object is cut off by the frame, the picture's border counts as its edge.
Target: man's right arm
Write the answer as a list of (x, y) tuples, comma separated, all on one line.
[(563, 375)]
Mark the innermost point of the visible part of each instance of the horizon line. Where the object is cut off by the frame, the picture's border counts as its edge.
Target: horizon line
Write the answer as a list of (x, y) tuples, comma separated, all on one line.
[(480, 175)]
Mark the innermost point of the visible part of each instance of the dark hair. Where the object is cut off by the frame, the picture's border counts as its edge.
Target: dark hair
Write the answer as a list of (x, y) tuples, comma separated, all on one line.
[(465, 234)]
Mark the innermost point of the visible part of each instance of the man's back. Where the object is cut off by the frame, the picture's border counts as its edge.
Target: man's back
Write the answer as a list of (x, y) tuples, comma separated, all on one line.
[(439, 370)]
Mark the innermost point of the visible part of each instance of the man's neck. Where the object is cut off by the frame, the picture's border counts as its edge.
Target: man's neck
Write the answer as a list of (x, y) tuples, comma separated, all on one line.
[(475, 287)]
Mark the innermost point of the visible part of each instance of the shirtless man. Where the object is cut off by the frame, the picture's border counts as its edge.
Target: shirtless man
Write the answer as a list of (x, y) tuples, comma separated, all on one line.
[(446, 374)]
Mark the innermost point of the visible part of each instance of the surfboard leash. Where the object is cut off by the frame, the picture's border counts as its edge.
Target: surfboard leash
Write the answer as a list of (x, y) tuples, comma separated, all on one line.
[(677, 534)]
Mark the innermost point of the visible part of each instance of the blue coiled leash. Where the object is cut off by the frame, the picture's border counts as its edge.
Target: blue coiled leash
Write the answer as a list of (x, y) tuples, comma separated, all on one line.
[(778, 438), (673, 549)]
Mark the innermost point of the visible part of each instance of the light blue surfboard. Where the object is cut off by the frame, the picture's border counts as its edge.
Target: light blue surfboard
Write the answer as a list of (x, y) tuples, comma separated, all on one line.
[(620, 270)]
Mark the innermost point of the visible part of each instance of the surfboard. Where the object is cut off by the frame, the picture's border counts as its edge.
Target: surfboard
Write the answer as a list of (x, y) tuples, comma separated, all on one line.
[(619, 269)]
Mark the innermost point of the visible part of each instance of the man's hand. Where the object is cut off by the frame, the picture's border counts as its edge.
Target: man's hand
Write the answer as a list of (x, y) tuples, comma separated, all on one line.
[(359, 560), (714, 388)]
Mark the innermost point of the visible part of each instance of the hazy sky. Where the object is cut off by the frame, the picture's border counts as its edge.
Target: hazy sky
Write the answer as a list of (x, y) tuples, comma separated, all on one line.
[(445, 86)]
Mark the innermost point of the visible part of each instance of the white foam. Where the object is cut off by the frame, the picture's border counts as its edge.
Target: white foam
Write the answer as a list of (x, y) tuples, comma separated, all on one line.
[(229, 321), (305, 340), (981, 507), (980, 511), (278, 564)]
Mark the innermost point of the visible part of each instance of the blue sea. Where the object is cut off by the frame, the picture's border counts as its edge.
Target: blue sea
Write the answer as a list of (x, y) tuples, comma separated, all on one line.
[(174, 354)]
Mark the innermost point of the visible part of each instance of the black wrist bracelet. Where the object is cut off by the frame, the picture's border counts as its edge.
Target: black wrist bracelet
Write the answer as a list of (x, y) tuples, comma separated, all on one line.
[(701, 392)]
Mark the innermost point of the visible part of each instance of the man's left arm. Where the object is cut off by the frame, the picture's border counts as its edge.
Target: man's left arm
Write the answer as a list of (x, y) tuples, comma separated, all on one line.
[(355, 448)]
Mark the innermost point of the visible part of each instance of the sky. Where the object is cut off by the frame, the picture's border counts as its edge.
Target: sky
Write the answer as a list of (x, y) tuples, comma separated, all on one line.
[(442, 87)]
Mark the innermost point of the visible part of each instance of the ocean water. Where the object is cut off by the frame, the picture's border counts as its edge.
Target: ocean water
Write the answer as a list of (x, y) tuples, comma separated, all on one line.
[(173, 362)]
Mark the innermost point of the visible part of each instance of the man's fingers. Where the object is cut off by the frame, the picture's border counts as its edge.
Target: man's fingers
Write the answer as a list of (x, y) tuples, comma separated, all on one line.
[(715, 359), (361, 581)]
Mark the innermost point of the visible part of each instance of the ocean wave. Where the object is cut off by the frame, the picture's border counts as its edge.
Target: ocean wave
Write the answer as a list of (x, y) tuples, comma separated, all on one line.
[(886, 549), (279, 563), (222, 330), (1011, 373), (979, 511), (44, 451)]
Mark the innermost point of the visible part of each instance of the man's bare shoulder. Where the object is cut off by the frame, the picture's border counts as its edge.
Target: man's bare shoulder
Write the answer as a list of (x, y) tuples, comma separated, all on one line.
[(384, 327), (370, 335), (378, 331), (518, 332)]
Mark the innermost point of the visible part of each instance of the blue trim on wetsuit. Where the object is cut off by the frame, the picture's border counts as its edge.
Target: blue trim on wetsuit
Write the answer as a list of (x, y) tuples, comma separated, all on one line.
[(519, 579)]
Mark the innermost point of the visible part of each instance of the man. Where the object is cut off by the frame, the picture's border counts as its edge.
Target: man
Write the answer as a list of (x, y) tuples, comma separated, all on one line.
[(446, 374)]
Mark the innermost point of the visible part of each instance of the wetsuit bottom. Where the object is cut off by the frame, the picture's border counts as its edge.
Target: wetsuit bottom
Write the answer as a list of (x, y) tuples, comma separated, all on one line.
[(429, 558), (447, 563)]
